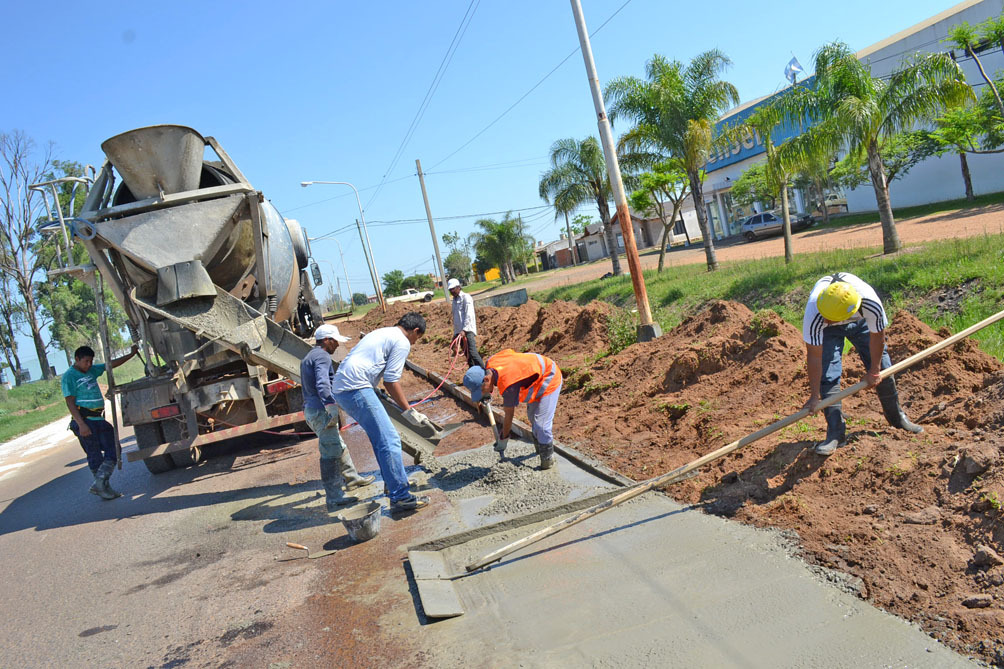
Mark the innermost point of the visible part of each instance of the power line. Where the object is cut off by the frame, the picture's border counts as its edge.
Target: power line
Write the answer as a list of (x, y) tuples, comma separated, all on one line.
[(532, 89), (436, 80)]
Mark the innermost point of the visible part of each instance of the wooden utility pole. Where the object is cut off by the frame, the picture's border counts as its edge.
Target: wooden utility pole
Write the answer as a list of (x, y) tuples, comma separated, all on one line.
[(432, 228), (571, 244), (648, 329)]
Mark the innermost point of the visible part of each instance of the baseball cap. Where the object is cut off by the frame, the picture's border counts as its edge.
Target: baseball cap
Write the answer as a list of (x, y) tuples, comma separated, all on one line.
[(472, 381), (327, 331), (452, 283)]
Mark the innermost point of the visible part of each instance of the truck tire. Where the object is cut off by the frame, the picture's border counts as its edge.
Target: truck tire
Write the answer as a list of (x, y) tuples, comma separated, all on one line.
[(427, 298), (147, 436)]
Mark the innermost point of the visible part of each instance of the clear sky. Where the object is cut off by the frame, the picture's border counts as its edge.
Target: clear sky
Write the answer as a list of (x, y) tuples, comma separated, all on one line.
[(299, 91)]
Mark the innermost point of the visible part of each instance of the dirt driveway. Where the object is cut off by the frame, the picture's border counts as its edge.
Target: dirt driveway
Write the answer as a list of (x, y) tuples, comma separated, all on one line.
[(987, 220)]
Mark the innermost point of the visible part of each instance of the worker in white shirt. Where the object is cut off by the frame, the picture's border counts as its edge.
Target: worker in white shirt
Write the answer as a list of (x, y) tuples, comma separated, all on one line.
[(464, 324)]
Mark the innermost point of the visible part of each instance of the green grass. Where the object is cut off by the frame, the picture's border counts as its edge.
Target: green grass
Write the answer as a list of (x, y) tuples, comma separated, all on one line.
[(905, 281)]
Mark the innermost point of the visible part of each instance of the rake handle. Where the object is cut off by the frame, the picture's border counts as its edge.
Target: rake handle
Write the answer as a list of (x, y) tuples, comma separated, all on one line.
[(675, 475)]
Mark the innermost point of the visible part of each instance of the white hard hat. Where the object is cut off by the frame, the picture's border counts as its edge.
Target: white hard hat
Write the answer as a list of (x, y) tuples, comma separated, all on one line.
[(452, 283), (329, 332)]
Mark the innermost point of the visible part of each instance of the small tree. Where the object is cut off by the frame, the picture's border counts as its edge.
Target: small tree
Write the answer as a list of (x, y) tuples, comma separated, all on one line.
[(458, 265), (359, 299), (667, 182), (973, 40), (418, 282), (753, 186), (393, 282)]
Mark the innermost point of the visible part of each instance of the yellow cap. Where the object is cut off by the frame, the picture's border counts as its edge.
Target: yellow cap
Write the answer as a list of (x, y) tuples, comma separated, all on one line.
[(838, 301)]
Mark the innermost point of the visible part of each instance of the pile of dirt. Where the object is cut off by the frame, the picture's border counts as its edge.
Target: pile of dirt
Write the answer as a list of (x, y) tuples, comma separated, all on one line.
[(916, 522)]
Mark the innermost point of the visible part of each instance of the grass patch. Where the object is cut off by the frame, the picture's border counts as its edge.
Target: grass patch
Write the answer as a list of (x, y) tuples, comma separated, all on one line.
[(904, 281)]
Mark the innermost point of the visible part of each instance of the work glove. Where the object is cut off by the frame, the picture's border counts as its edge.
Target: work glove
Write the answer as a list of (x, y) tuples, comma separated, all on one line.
[(501, 444), (333, 413), (416, 418)]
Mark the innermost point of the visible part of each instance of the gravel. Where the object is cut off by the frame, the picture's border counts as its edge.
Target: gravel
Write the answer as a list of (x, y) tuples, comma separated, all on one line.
[(516, 483)]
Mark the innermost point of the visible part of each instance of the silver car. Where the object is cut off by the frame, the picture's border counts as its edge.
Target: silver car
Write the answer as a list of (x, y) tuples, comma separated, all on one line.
[(769, 223)]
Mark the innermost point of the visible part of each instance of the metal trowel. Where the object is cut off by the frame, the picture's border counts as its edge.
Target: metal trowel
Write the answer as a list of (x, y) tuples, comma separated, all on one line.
[(310, 556)]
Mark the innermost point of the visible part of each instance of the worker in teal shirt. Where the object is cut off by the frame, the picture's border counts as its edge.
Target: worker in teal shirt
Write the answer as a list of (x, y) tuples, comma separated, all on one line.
[(87, 408)]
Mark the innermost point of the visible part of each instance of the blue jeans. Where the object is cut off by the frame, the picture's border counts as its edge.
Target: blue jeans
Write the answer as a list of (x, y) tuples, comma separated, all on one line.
[(364, 406), (100, 445), (541, 416), (329, 441), (833, 348)]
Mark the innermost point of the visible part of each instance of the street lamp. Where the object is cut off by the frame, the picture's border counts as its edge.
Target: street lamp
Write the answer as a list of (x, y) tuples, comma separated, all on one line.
[(364, 239), (346, 269)]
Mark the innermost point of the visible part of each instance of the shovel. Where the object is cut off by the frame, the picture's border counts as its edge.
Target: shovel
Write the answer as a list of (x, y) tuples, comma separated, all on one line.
[(310, 556), (495, 431)]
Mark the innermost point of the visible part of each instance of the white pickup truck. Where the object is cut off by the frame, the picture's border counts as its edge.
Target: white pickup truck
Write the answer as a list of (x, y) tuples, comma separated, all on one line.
[(412, 295)]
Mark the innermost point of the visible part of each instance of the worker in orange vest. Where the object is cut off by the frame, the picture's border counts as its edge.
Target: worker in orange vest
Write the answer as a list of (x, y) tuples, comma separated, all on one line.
[(521, 377)]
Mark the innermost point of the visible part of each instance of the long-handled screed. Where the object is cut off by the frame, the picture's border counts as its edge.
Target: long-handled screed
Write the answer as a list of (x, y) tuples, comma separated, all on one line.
[(680, 472)]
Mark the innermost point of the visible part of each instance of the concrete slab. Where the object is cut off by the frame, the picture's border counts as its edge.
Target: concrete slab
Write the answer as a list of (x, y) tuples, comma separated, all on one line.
[(652, 583)]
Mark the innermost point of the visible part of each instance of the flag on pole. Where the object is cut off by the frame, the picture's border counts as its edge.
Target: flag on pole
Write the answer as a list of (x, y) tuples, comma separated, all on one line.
[(792, 70)]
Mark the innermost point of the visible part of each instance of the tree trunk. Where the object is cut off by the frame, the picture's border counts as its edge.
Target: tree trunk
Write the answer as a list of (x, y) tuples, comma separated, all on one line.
[(571, 244), (662, 247), (30, 310), (990, 82), (890, 237), (608, 234), (697, 192), (786, 224), (822, 203), (966, 177)]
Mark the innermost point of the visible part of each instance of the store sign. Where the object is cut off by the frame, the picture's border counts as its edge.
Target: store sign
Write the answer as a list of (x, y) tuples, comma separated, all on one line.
[(751, 145)]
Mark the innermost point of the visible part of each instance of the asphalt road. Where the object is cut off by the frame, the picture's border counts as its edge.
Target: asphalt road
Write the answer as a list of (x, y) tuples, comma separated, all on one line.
[(175, 571)]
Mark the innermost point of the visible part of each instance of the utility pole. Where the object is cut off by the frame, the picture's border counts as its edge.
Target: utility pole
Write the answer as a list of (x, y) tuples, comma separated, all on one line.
[(648, 329), (373, 272), (338, 283), (571, 244), (346, 270), (432, 228)]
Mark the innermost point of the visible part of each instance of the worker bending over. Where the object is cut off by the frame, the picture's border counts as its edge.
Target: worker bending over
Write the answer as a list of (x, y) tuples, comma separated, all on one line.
[(842, 306), (317, 373), (464, 324), (87, 412), (521, 377), (382, 353)]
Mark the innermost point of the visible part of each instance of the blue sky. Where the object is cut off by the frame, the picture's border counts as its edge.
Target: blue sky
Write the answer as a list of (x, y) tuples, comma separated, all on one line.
[(300, 91)]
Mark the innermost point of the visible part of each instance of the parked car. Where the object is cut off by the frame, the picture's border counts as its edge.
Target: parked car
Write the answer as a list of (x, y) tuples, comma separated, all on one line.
[(769, 223), (412, 295), (835, 200)]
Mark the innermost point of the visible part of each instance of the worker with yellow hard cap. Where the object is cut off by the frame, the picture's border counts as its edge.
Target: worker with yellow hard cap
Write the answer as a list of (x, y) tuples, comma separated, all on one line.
[(842, 306)]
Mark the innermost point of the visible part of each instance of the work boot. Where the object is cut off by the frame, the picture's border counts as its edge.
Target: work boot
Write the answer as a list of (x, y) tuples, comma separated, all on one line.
[(889, 398), (546, 452), (352, 478), (836, 431), (415, 503), (331, 477), (100, 486)]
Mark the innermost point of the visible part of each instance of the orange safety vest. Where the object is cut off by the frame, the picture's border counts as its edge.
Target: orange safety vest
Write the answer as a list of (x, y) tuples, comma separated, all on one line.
[(513, 367)]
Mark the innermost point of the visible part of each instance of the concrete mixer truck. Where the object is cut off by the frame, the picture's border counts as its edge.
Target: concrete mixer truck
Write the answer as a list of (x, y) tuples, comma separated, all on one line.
[(213, 281)]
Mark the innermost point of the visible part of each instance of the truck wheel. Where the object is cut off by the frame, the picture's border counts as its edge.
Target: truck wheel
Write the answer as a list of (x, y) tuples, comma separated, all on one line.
[(427, 298), (147, 436)]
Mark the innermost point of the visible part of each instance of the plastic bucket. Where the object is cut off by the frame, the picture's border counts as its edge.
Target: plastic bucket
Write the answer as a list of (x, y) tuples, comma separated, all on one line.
[(362, 522)]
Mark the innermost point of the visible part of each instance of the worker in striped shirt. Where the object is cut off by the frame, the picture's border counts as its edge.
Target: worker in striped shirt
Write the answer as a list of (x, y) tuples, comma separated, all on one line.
[(842, 306)]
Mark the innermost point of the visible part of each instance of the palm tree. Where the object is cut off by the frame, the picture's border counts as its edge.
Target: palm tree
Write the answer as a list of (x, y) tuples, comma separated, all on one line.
[(863, 111), (502, 243), (675, 110), (578, 175)]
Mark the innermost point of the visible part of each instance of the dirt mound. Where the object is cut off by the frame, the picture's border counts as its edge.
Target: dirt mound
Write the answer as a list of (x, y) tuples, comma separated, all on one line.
[(564, 331)]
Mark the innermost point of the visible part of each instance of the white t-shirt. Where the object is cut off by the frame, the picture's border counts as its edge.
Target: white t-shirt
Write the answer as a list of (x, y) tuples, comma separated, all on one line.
[(381, 353), (871, 309)]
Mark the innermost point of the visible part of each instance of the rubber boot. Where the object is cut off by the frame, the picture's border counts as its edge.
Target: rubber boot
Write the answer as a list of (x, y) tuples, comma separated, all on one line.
[(352, 478), (331, 477), (836, 431), (546, 456), (889, 398), (100, 486)]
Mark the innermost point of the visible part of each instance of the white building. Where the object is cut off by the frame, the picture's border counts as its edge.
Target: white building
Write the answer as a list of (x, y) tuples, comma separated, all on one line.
[(934, 180)]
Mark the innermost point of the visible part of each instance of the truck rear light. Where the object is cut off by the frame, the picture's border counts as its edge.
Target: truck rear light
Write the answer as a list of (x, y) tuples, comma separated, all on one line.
[(279, 386), (166, 411)]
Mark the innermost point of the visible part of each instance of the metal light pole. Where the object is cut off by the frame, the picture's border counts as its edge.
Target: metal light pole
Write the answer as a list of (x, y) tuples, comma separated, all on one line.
[(366, 239), (648, 329)]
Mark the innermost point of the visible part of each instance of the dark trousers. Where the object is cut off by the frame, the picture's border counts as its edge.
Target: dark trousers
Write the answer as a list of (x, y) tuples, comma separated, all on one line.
[(470, 344), (100, 445), (833, 348)]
